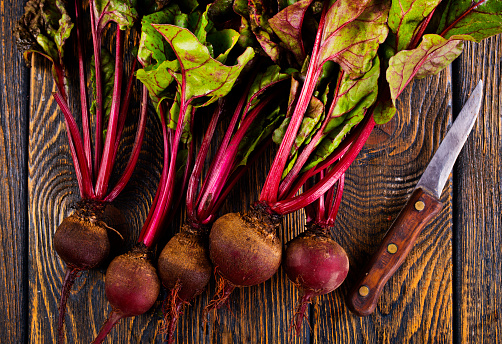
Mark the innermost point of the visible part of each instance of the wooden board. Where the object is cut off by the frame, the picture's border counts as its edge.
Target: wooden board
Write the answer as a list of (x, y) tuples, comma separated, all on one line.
[(416, 304), (13, 188), (446, 291), (478, 205)]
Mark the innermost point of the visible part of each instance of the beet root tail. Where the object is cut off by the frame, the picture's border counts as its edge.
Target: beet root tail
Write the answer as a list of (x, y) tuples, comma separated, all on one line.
[(300, 313), (112, 320), (69, 278), (223, 291), (173, 308)]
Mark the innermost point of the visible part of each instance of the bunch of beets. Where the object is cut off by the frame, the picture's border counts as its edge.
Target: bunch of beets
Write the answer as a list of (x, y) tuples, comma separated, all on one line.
[(308, 79)]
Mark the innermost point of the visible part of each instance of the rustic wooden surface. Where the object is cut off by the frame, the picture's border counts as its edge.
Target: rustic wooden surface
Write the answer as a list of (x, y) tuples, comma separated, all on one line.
[(448, 290)]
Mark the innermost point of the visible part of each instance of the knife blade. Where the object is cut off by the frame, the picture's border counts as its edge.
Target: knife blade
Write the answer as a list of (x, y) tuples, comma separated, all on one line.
[(421, 207)]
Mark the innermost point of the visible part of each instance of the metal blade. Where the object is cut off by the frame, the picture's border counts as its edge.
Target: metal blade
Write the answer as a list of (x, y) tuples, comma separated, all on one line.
[(435, 176)]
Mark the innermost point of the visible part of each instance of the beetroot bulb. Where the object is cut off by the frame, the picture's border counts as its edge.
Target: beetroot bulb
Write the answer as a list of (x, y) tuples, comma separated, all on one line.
[(313, 261), (184, 264), (82, 240)]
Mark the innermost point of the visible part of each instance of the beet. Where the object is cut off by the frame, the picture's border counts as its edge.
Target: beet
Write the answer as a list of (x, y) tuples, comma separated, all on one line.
[(245, 250), (316, 264), (131, 285), (185, 270), (82, 241)]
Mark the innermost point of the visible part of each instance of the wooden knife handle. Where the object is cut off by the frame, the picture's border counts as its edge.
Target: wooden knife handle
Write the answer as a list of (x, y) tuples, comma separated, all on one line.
[(418, 211)]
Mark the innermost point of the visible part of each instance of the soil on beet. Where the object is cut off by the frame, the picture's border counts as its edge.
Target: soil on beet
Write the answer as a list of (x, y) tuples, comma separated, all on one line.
[(245, 248), (184, 262)]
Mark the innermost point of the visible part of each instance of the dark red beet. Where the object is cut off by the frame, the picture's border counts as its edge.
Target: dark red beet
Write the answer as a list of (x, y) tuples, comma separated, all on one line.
[(82, 241), (131, 285), (316, 264), (185, 270), (245, 250)]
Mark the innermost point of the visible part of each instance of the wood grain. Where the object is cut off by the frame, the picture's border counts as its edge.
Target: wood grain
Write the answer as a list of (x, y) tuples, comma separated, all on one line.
[(13, 171), (434, 292), (416, 304), (479, 200)]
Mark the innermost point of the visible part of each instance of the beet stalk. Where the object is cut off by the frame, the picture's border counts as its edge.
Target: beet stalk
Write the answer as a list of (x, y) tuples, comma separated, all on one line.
[(279, 196), (130, 293), (82, 239), (184, 265)]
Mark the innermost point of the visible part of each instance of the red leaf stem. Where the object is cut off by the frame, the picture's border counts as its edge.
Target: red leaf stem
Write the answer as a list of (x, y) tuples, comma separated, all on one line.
[(321, 203), (333, 211), (232, 180), (271, 186), (217, 179), (199, 163), (188, 168), (125, 106), (149, 235), (136, 149), (336, 155), (96, 42), (305, 154), (163, 179), (298, 202), (86, 130), (106, 166), (223, 146), (76, 149)]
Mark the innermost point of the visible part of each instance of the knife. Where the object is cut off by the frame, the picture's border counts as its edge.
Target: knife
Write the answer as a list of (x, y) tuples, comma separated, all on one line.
[(421, 207)]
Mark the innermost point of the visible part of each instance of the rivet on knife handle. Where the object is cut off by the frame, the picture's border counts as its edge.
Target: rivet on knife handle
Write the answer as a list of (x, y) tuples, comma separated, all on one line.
[(398, 241)]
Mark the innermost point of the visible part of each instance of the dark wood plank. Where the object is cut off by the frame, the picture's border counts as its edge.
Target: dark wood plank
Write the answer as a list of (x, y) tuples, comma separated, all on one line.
[(479, 199), (13, 169), (416, 304)]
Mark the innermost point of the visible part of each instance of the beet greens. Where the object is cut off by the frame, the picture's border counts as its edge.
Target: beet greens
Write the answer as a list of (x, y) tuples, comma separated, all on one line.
[(348, 83), (82, 240), (132, 284)]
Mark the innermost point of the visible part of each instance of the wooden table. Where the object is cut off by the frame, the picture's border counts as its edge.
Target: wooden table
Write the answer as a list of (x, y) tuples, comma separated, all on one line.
[(448, 290)]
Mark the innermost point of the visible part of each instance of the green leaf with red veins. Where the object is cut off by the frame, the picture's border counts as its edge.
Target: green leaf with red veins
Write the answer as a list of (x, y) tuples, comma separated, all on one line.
[(259, 22), (432, 55), (287, 25), (354, 92), (352, 34), (157, 81), (43, 29), (479, 18), (405, 17), (262, 83), (199, 74), (259, 131), (384, 111), (121, 12), (222, 43), (152, 47)]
